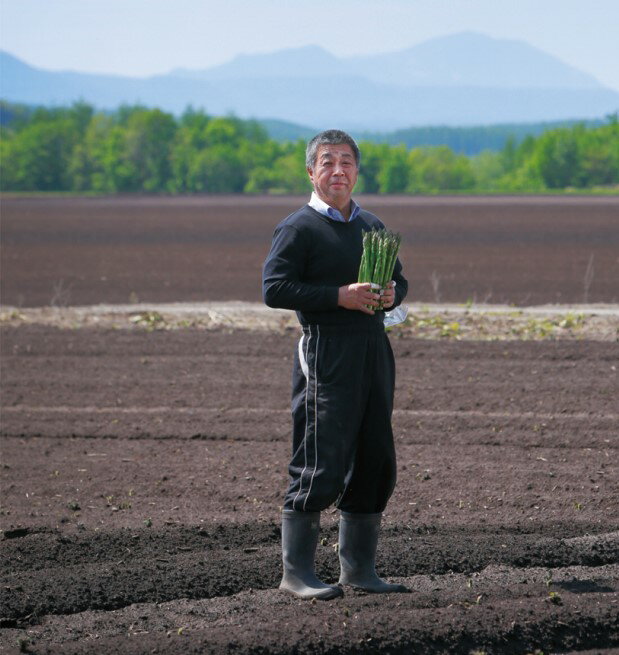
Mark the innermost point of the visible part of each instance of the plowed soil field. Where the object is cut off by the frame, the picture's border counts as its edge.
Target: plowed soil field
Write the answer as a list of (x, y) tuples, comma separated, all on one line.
[(143, 474), (500, 250), (143, 469)]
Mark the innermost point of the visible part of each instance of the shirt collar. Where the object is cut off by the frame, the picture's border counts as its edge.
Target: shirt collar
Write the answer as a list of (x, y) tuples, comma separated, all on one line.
[(321, 207)]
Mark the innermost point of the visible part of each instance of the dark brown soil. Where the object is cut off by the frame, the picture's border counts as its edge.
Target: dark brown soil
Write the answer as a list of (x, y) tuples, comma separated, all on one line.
[(518, 250), (143, 473)]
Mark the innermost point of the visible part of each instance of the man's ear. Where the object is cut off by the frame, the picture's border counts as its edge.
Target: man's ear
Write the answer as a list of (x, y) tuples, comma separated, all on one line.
[(310, 173)]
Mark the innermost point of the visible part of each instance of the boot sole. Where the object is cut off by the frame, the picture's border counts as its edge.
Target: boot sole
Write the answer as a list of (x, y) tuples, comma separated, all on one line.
[(330, 594), (401, 589)]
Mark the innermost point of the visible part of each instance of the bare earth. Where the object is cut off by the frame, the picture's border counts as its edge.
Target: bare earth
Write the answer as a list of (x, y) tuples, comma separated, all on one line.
[(143, 472), (502, 250), (144, 454)]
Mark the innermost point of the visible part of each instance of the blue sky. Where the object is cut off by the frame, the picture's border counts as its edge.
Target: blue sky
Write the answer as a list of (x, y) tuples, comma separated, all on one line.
[(145, 37)]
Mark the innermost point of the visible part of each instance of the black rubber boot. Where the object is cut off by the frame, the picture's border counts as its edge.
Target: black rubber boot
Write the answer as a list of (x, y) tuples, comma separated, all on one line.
[(299, 542), (358, 542)]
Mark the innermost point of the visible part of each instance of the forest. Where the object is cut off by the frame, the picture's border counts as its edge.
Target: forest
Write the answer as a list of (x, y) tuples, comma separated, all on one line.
[(139, 149)]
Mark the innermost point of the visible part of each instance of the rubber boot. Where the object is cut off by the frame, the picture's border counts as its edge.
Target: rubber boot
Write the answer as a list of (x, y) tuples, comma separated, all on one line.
[(358, 542), (299, 542)]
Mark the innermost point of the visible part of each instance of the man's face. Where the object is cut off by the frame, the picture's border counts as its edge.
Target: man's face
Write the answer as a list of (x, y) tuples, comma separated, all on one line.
[(335, 174)]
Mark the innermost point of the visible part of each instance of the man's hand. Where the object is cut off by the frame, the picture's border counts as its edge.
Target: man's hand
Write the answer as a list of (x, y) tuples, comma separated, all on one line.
[(388, 295), (357, 296)]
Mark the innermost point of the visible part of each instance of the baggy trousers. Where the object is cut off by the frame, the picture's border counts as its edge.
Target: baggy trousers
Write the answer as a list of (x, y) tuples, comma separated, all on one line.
[(342, 398)]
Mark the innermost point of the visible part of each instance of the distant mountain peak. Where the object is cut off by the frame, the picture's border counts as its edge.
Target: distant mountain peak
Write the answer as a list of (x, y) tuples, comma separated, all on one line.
[(477, 60), (465, 78), (7, 59), (307, 61)]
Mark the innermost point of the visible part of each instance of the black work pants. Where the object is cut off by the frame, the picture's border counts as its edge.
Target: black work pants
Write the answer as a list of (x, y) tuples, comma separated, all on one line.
[(342, 399)]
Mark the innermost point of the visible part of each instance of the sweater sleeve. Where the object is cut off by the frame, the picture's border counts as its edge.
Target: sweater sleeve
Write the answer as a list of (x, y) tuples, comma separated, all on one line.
[(282, 276)]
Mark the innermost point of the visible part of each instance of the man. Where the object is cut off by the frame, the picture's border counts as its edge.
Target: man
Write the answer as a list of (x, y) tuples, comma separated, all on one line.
[(343, 375)]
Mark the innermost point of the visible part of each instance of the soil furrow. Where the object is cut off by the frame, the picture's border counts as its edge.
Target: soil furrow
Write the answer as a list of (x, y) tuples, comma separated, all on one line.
[(42, 548), (74, 582), (356, 623), (601, 438), (423, 428), (263, 412)]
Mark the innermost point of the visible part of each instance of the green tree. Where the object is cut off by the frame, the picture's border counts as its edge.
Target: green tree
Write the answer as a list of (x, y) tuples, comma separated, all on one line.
[(487, 168), (147, 143), (520, 170), (393, 175), (372, 158), (37, 157), (217, 169), (190, 139), (140, 149), (557, 158), (90, 164), (286, 173), (599, 154), (438, 168)]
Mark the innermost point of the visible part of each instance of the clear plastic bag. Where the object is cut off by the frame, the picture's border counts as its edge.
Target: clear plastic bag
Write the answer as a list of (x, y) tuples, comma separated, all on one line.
[(396, 316)]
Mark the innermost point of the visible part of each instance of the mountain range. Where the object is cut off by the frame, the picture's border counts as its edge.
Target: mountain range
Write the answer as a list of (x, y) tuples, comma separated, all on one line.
[(461, 79)]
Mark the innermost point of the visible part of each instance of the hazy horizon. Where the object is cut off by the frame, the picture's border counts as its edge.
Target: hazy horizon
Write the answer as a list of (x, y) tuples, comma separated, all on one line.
[(146, 37)]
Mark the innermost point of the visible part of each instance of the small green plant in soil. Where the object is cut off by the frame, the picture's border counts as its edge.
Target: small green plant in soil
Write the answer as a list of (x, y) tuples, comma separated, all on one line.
[(150, 320), (555, 598)]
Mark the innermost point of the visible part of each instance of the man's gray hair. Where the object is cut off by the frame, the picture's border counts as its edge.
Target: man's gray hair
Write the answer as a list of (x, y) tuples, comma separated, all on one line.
[(331, 138)]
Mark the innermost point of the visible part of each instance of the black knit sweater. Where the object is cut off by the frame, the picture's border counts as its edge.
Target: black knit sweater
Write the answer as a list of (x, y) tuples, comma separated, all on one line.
[(312, 256)]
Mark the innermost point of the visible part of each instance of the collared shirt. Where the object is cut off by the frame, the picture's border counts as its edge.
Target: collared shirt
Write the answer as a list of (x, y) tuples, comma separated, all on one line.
[(321, 207)]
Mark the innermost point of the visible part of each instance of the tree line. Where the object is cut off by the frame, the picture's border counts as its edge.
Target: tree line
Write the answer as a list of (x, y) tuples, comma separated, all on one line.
[(137, 149), (469, 140)]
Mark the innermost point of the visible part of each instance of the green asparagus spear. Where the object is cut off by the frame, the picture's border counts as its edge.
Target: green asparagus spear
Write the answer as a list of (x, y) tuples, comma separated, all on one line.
[(380, 251)]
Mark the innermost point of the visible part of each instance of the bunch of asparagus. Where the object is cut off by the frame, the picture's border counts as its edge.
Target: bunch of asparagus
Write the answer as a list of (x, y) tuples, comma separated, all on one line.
[(380, 250)]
